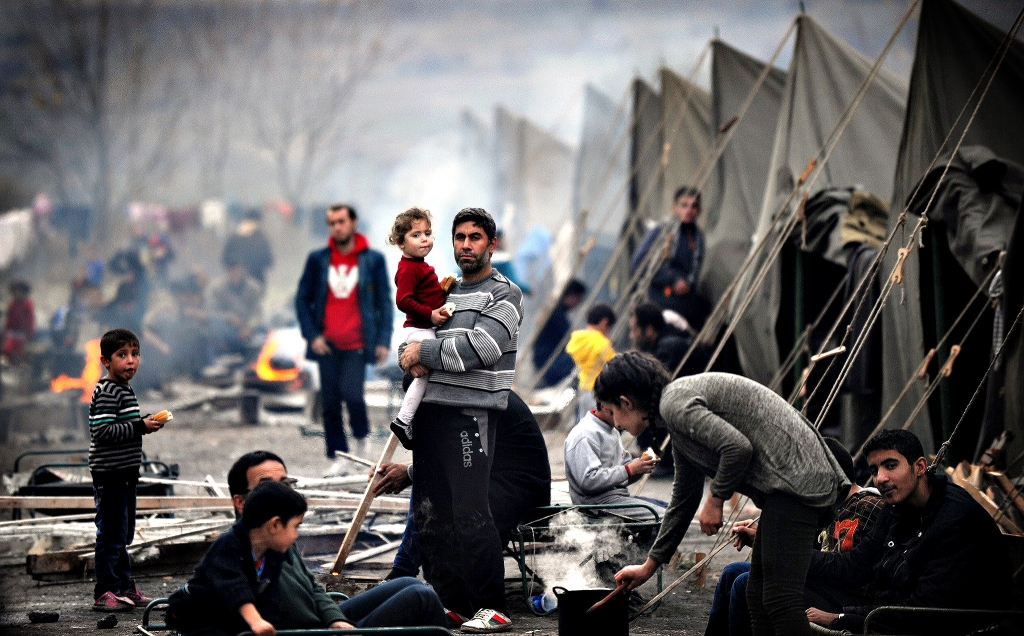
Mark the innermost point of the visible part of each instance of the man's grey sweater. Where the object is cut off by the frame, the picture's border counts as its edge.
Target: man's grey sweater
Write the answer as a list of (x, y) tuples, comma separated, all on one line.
[(749, 440), (473, 360)]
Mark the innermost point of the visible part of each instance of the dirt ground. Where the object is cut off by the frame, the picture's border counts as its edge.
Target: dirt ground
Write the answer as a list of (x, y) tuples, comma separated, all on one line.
[(205, 443)]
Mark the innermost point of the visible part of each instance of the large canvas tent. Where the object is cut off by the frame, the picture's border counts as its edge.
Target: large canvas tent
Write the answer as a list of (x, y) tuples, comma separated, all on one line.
[(954, 47), (602, 168), (732, 196), (688, 137), (825, 74), (534, 187)]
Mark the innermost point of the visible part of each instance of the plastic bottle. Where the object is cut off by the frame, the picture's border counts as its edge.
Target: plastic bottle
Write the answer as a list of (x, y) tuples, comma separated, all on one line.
[(544, 602)]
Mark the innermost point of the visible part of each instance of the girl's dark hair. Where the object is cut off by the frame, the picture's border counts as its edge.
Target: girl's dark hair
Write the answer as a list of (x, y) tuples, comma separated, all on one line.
[(637, 376), (403, 223), (271, 499)]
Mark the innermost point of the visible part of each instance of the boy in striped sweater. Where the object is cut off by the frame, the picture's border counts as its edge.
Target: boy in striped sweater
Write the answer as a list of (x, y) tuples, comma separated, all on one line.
[(115, 454)]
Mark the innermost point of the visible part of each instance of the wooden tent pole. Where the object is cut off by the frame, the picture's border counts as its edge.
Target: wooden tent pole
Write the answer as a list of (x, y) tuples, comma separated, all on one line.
[(364, 507)]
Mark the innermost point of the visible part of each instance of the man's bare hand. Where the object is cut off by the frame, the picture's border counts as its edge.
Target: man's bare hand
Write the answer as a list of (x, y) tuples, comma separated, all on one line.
[(820, 617), (381, 353), (680, 287), (418, 371), (394, 478), (711, 515), (410, 357), (642, 465), (262, 628), (320, 346), (743, 533), (635, 575), (341, 625)]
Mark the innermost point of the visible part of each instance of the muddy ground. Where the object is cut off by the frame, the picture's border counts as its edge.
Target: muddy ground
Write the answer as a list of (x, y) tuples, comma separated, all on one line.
[(206, 442)]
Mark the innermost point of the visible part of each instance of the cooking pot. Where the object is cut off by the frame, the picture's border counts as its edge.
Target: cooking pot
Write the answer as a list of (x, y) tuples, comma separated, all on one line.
[(611, 619)]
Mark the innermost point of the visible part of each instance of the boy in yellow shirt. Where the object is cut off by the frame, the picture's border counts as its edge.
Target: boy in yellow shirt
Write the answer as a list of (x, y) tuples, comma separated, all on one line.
[(590, 348)]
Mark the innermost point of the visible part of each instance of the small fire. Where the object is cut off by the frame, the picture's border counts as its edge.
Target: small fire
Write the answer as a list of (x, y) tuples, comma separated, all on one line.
[(91, 374), (265, 370)]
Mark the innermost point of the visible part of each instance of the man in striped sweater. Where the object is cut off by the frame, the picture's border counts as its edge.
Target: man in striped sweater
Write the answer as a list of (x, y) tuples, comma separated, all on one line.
[(115, 454), (471, 365)]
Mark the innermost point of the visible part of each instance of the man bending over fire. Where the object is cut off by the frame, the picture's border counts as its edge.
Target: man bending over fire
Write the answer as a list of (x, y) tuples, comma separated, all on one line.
[(748, 439)]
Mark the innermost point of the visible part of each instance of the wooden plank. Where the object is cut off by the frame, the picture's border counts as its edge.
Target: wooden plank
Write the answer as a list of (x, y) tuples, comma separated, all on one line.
[(990, 507), (179, 503), (1013, 492), (364, 506)]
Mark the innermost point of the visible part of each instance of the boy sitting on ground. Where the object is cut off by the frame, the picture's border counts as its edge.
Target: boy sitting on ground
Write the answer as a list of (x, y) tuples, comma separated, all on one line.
[(236, 587)]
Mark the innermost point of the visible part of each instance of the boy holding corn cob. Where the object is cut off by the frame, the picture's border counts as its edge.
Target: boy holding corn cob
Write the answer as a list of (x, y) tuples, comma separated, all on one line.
[(116, 428)]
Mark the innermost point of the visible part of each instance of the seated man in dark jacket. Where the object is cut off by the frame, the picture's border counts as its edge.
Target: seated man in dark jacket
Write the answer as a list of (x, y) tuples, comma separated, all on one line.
[(932, 546)]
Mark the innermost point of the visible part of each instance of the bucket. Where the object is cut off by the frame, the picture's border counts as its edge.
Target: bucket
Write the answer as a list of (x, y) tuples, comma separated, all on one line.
[(611, 619), (249, 405)]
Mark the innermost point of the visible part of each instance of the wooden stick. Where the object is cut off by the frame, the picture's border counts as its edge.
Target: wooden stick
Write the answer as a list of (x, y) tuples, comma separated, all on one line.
[(990, 507), (829, 353), (372, 552), (355, 458), (364, 506), (178, 503), (621, 587), (1013, 492), (682, 578)]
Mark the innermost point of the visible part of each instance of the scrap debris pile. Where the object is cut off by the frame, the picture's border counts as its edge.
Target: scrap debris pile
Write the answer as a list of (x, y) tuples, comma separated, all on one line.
[(174, 530)]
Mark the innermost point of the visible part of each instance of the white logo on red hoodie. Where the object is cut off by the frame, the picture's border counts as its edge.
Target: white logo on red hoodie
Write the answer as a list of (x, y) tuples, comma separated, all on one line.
[(342, 279)]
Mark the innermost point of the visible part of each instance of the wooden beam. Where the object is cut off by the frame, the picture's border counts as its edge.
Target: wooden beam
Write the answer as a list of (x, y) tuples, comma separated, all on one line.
[(364, 506), (179, 503), (990, 507), (1013, 492)]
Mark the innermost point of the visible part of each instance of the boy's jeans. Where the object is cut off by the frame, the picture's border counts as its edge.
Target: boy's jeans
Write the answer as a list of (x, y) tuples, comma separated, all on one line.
[(115, 528)]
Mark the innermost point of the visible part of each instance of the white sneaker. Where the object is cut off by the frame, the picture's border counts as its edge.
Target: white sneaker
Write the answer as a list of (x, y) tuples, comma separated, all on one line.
[(361, 447), (336, 468), (487, 621)]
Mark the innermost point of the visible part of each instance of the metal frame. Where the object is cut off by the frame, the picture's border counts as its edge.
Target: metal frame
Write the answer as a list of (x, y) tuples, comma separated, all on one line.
[(148, 629), (68, 451), (545, 513), (939, 612)]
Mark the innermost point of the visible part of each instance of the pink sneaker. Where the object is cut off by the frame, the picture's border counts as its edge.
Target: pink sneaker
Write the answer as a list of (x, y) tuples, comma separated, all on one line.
[(110, 602), (136, 596)]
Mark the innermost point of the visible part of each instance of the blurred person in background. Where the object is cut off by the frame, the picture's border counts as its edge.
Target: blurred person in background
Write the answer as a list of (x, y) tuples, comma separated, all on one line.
[(549, 340), (235, 311), (249, 247), (20, 322), (177, 336), (344, 307), (674, 283)]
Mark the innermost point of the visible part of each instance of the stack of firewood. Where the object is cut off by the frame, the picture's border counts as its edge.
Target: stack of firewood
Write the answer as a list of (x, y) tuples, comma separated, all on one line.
[(1001, 496)]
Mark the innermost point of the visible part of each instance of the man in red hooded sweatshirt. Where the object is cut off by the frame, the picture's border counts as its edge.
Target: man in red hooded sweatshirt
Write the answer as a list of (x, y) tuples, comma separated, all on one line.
[(345, 312)]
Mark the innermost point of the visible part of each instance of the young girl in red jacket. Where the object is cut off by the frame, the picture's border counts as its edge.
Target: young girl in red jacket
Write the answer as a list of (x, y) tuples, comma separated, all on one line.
[(422, 299)]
